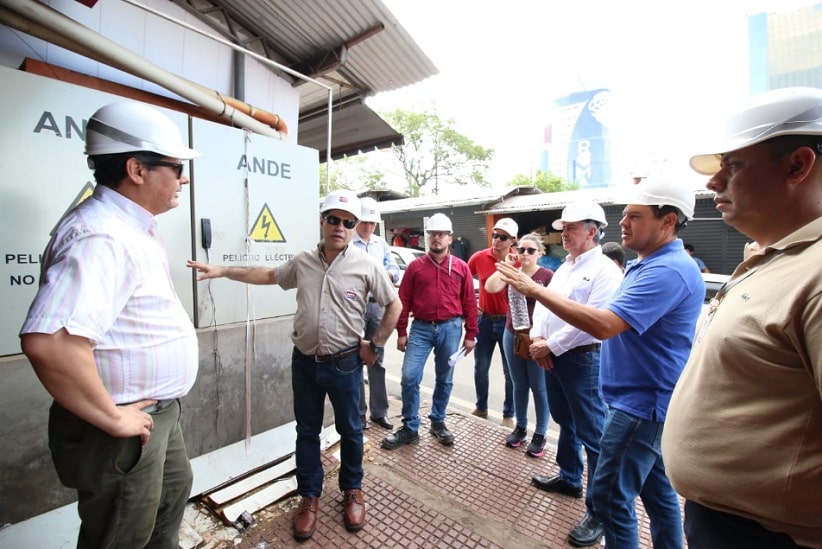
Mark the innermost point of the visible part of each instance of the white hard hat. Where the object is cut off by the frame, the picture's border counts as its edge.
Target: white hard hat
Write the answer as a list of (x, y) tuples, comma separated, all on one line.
[(581, 211), (662, 193), (786, 111), (439, 222), (370, 210), (127, 126), (342, 199), (508, 225)]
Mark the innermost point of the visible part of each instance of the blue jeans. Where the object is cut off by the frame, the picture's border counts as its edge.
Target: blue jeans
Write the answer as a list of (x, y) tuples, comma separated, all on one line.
[(630, 465), (311, 381), (490, 336), (526, 376), (445, 338), (576, 405)]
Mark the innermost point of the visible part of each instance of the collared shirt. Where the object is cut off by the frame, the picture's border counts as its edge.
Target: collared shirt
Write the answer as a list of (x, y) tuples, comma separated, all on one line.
[(660, 299), (331, 299), (105, 277), (483, 264), (744, 428), (377, 248), (438, 291), (590, 279)]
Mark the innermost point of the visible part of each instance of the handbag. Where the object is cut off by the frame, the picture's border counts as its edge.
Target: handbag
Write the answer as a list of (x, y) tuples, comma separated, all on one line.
[(522, 342)]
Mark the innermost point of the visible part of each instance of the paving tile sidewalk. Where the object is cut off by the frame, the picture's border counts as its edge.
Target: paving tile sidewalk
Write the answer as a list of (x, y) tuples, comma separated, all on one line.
[(476, 493)]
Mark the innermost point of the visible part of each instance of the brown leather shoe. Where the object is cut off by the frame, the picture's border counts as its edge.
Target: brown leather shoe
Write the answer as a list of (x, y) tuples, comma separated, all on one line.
[(305, 521), (353, 510)]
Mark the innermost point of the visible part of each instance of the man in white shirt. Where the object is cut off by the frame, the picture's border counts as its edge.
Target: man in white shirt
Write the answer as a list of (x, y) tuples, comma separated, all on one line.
[(376, 247), (110, 340), (570, 357)]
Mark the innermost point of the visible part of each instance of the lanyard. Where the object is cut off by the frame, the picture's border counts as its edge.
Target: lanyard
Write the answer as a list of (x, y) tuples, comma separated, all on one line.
[(730, 284)]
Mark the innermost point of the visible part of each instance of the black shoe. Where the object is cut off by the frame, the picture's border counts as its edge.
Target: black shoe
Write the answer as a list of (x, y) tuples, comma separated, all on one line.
[(587, 532), (382, 422), (365, 424), (439, 430), (557, 485), (402, 437)]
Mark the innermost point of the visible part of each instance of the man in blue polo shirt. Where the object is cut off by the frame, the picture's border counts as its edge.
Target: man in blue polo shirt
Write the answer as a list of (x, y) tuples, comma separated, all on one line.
[(646, 329)]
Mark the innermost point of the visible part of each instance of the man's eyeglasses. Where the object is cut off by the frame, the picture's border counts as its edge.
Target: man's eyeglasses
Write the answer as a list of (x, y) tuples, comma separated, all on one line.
[(529, 251), (438, 234), (334, 220), (502, 237), (177, 166)]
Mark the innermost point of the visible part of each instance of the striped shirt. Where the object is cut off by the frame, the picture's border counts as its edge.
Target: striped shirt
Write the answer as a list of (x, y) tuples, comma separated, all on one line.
[(377, 248), (105, 277)]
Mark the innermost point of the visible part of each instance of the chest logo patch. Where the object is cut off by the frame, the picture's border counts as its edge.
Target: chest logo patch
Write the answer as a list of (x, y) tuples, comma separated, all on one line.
[(351, 295)]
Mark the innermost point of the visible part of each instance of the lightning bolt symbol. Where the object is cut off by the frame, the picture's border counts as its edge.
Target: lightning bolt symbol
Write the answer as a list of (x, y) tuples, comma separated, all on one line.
[(266, 224)]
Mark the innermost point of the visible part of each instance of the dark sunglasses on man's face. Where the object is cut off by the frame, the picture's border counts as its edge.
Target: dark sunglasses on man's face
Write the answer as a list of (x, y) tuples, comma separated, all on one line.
[(347, 223), (529, 251), (177, 166), (502, 237)]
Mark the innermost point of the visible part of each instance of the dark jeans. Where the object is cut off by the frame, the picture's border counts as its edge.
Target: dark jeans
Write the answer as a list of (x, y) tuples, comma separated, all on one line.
[(489, 336), (311, 381), (129, 496), (709, 529), (576, 405)]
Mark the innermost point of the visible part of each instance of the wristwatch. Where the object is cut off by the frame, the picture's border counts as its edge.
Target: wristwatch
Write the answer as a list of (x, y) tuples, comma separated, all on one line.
[(374, 347)]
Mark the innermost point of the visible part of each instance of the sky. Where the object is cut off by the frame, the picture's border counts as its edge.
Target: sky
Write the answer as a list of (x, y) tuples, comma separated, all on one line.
[(672, 68)]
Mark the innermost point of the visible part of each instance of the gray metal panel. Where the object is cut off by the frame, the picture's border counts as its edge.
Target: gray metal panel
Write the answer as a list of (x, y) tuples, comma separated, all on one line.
[(718, 244)]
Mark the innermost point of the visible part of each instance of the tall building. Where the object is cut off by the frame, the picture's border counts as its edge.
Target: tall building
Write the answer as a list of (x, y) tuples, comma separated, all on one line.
[(786, 48), (577, 141)]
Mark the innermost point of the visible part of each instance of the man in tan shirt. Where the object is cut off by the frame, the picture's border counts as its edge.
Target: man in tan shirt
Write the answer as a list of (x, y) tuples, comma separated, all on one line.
[(743, 438)]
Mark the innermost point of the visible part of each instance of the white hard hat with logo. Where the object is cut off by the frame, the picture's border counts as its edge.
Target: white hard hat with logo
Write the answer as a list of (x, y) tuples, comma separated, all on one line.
[(370, 210), (581, 211), (127, 126), (663, 193), (342, 199), (786, 111), (508, 225), (439, 222)]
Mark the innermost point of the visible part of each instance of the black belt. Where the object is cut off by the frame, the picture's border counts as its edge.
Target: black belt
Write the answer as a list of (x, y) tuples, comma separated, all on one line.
[(372, 300), (495, 317), (435, 322), (591, 347), (160, 406), (337, 356)]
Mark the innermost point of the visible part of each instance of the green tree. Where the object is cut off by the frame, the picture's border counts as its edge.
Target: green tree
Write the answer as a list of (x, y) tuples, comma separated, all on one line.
[(435, 152), (543, 181), (352, 172)]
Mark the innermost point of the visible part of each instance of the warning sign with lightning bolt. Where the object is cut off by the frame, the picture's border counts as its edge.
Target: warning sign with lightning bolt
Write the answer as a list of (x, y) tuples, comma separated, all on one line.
[(265, 229)]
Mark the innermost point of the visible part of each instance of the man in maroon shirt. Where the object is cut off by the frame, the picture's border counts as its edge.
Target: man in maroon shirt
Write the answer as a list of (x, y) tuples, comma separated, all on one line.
[(493, 311), (438, 290)]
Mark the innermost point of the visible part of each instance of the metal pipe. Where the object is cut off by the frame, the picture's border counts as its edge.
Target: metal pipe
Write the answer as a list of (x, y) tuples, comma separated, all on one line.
[(67, 33)]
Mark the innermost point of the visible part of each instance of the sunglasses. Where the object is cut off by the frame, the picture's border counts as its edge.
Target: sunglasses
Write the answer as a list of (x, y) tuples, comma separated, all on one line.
[(502, 237), (529, 251), (334, 220), (177, 166)]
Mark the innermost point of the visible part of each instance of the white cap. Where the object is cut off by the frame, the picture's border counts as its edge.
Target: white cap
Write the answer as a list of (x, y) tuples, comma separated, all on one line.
[(128, 126), (370, 210), (508, 225), (786, 111), (439, 222), (581, 211), (342, 199)]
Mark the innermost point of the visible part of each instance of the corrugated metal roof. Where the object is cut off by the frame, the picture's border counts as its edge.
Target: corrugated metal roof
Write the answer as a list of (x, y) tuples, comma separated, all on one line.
[(380, 54), (479, 199), (556, 201)]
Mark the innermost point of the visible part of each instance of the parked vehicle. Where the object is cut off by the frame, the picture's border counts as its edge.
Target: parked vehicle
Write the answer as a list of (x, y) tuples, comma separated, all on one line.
[(404, 256)]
